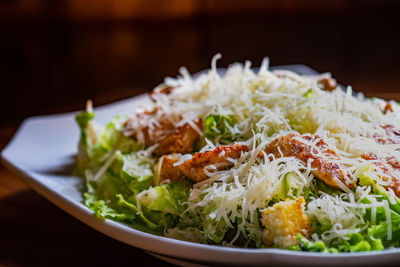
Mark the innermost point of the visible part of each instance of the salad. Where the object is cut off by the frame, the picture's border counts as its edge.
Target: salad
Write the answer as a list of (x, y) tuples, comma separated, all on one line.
[(250, 159)]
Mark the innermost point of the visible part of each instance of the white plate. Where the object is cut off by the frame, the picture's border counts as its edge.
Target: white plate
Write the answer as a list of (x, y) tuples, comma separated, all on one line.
[(42, 154)]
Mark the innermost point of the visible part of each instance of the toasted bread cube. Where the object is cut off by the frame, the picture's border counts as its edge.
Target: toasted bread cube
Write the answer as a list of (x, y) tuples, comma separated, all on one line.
[(283, 222)]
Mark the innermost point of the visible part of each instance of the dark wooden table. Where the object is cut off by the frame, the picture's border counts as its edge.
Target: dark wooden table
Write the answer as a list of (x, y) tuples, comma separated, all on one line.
[(51, 67)]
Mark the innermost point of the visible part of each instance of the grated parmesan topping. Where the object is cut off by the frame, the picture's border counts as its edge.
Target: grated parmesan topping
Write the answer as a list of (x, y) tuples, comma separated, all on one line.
[(265, 105)]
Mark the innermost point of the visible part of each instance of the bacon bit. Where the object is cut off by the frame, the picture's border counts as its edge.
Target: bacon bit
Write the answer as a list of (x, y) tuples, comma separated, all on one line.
[(388, 108), (194, 168), (328, 84), (390, 167), (325, 168)]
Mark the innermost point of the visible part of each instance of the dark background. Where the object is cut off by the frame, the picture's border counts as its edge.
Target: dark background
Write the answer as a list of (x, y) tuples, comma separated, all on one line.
[(56, 54)]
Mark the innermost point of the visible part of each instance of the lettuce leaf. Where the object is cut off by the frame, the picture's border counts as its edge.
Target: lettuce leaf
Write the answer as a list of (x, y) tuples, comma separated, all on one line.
[(135, 170), (374, 237), (83, 119), (213, 229), (355, 242), (112, 135), (218, 126), (96, 143), (159, 209), (167, 198), (380, 229), (89, 152)]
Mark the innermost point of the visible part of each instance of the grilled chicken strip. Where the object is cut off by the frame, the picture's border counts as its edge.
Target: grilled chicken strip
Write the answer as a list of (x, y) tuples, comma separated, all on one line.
[(170, 139), (194, 167), (182, 140), (165, 169), (323, 158)]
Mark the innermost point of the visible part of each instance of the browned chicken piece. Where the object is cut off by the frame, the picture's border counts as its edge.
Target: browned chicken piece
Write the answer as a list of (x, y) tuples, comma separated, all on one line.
[(159, 91), (390, 167), (194, 167), (388, 108), (328, 84), (182, 140), (165, 169), (392, 136), (157, 131), (325, 167), (284, 221), (170, 139)]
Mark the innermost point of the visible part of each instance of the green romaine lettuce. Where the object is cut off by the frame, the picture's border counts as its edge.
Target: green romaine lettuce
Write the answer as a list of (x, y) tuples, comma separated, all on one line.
[(355, 242), (167, 198), (134, 169), (218, 126), (97, 143), (112, 190)]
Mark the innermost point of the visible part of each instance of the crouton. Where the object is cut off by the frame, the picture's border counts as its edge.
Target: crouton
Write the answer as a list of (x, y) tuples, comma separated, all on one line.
[(283, 222)]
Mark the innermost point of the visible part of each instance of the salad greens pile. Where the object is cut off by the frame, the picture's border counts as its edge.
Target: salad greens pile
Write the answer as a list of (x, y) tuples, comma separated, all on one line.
[(114, 196)]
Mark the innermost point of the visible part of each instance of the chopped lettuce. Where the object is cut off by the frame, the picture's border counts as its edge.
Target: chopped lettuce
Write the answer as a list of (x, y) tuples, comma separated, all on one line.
[(158, 209), (381, 228), (289, 187), (321, 187), (112, 192), (212, 228), (376, 236), (219, 126), (168, 198), (355, 243), (112, 136), (309, 93), (96, 143), (135, 170)]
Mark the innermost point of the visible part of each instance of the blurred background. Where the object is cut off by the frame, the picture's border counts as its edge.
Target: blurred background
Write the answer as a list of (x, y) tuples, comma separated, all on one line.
[(55, 54)]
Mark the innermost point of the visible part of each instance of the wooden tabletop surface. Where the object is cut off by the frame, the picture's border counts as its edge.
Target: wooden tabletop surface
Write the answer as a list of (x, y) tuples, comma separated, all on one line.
[(52, 67)]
